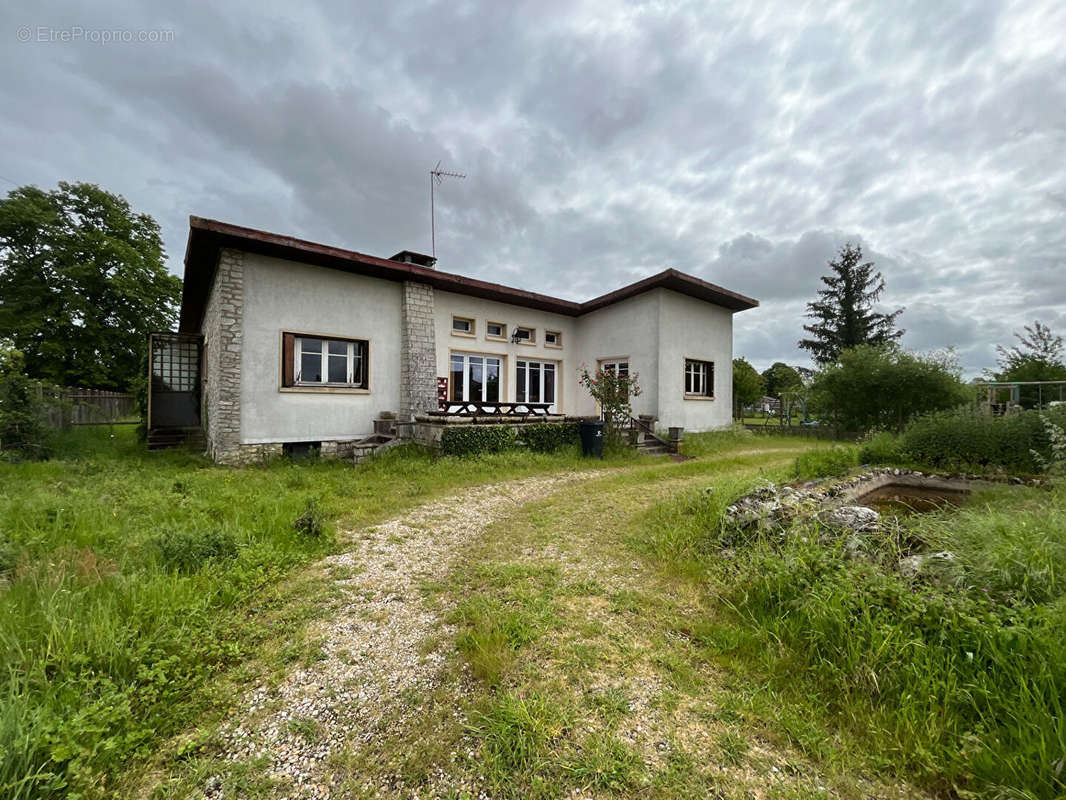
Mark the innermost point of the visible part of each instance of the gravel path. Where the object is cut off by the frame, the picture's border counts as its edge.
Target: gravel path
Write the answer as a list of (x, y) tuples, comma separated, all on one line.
[(373, 641)]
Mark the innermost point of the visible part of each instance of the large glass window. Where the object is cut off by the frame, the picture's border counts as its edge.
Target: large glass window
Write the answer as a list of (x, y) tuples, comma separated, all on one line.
[(535, 381), (474, 378), (331, 362)]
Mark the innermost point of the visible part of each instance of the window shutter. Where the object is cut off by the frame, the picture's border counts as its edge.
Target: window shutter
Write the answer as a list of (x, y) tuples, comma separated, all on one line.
[(288, 349)]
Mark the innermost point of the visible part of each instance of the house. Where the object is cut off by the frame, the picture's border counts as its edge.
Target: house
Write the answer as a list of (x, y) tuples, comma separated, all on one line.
[(285, 343)]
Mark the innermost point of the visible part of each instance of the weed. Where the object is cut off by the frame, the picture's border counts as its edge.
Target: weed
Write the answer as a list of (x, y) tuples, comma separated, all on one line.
[(312, 522), (826, 463), (188, 551), (307, 728), (732, 748)]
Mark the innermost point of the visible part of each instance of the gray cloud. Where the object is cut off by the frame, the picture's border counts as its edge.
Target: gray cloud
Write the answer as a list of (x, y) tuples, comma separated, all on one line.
[(603, 142)]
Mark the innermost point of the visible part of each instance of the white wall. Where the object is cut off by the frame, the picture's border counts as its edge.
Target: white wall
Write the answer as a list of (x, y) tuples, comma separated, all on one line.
[(628, 330), (290, 296), (449, 304), (691, 328)]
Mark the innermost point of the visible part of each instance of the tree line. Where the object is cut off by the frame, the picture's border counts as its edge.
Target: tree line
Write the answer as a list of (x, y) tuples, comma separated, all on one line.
[(865, 379)]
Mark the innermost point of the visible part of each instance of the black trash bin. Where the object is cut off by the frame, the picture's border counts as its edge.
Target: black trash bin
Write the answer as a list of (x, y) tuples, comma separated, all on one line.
[(592, 437)]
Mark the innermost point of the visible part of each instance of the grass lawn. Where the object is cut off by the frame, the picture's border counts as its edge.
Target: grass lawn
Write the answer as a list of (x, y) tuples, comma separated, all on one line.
[(608, 637), (128, 580)]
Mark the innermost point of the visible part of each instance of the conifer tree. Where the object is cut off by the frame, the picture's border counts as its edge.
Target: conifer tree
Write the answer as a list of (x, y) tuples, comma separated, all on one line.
[(843, 313)]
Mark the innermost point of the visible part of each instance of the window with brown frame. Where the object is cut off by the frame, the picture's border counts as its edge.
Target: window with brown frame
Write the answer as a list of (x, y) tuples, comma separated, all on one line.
[(319, 362), (699, 378)]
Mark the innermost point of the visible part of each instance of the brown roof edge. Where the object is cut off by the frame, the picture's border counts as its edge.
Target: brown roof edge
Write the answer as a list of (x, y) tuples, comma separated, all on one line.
[(208, 236)]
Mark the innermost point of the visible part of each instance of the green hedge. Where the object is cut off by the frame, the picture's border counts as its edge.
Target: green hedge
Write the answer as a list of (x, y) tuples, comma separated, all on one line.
[(468, 440), (970, 439), (547, 437)]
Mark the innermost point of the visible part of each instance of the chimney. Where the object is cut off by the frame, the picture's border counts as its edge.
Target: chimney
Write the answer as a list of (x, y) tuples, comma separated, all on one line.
[(411, 257)]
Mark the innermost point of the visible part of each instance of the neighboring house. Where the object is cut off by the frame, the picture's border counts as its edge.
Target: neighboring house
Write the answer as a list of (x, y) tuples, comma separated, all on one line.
[(305, 343)]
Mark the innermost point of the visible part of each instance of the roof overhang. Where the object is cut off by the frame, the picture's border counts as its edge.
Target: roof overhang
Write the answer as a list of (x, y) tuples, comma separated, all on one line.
[(207, 238)]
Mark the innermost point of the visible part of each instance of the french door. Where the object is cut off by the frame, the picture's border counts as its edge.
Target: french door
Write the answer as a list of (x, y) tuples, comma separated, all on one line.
[(535, 382), (475, 378)]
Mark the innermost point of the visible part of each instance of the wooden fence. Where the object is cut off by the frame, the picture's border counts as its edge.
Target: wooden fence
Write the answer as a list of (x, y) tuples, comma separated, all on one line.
[(76, 406)]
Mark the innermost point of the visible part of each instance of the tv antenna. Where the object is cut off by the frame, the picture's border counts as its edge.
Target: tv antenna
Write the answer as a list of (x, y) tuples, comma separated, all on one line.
[(436, 177)]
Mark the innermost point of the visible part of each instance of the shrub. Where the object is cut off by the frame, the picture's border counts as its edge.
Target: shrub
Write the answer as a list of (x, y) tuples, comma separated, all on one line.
[(871, 387), (188, 551), (826, 463), (547, 437), (882, 448), (971, 439), (469, 440)]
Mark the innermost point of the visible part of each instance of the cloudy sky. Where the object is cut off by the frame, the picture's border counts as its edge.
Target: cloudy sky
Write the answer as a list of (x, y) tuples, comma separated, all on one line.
[(603, 141)]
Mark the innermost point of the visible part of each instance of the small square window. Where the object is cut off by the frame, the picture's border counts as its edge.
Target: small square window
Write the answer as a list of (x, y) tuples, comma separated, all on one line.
[(495, 330), (462, 326), (553, 339), (525, 335)]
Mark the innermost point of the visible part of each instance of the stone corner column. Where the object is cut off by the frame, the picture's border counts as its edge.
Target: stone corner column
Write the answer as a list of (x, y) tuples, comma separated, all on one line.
[(223, 338), (418, 352)]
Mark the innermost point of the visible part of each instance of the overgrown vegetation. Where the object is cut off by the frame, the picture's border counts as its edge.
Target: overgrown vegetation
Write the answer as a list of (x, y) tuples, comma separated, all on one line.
[(968, 439), (885, 387), (129, 579), (827, 463), (23, 432), (954, 673)]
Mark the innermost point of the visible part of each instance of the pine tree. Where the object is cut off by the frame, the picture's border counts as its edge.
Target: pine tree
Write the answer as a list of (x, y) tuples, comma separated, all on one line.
[(843, 311)]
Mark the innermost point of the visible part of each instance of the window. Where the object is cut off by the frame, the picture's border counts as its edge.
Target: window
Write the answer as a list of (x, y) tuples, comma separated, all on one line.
[(495, 330), (619, 367), (535, 382), (316, 361), (474, 378), (699, 378), (525, 335), (462, 326), (553, 339)]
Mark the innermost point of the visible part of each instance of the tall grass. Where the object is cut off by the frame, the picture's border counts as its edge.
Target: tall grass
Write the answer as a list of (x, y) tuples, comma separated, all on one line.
[(128, 579), (956, 677)]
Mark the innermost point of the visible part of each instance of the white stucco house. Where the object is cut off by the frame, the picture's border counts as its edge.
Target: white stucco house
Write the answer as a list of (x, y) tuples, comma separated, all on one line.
[(298, 342)]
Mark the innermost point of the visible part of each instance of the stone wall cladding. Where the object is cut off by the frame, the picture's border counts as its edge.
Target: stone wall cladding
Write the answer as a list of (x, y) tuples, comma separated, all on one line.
[(418, 352), (222, 331)]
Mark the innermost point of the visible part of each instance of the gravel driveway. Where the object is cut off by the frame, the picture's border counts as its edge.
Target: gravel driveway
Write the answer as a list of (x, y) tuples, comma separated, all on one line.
[(373, 641)]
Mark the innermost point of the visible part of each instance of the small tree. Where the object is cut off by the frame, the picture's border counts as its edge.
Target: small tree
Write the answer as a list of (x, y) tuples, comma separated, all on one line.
[(843, 313), (885, 387), (747, 386), (612, 391)]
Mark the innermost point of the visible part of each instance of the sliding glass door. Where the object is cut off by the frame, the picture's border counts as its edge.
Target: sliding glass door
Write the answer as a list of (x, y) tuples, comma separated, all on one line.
[(535, 382)]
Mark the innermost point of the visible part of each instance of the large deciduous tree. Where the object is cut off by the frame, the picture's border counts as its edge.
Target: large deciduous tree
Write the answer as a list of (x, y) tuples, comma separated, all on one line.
[(843, 313), (780, 377), (82, 281), (747, 385)]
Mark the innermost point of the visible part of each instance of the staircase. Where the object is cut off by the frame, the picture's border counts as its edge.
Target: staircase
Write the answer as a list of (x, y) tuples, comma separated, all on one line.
[(163, 438), (643, 437)]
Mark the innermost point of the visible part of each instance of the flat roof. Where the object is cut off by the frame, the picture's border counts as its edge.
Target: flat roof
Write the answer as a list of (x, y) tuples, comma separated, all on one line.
[(208, 236)]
